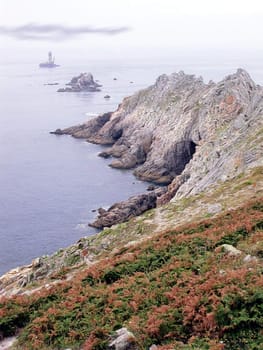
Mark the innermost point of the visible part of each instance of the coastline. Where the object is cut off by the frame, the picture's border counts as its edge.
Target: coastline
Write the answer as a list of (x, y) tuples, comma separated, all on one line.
[(105, 129), (176, 265)]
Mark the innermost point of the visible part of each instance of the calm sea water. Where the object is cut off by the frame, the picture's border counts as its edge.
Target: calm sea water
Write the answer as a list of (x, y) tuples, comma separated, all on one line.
[(49, 185)]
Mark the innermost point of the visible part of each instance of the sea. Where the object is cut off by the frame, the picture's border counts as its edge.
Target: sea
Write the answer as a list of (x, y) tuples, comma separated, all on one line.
[(50, 185)]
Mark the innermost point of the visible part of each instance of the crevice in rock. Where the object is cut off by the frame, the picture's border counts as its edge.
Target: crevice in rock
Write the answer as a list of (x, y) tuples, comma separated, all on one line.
[(116, 134), (179, 155)]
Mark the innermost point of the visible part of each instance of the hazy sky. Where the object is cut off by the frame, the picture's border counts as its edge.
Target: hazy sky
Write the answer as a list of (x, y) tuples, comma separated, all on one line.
[(153, 23)]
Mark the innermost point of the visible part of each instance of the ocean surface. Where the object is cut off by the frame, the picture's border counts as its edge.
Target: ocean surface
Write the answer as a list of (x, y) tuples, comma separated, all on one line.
[(50, 184)]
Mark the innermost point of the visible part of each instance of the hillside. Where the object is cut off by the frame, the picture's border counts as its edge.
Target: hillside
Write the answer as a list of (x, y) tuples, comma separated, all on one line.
[(184, 275), (194, 286)]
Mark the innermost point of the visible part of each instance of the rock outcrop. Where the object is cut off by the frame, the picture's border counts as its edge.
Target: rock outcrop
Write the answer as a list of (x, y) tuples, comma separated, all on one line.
[(123, 211), (124, 340), (83, 82), (183, 132)]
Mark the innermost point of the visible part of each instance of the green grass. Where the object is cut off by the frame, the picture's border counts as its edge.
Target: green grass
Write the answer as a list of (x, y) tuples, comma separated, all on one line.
[(168, 290)]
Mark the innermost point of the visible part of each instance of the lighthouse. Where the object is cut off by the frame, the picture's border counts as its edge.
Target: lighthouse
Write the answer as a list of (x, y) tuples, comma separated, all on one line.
[(50, 63)]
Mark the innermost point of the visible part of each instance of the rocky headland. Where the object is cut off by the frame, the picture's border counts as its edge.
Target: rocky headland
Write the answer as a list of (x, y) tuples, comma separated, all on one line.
[(83, 82), (183, 269), (123, 211), (182, 132)]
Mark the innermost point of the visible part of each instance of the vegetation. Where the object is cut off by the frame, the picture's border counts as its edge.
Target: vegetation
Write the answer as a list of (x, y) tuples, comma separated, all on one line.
[(177, 290)]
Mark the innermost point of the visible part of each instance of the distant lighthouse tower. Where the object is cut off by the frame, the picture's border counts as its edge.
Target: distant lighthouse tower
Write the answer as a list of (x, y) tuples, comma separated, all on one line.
[(50, 59), (50, 63)]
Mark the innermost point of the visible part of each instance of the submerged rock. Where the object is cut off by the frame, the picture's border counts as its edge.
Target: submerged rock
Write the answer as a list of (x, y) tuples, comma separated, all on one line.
[(51, 84), (83, 82)]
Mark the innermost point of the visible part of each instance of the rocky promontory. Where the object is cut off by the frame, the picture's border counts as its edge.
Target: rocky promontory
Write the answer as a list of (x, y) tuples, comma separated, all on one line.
[(83, 82), (183, 132), (123, 211)]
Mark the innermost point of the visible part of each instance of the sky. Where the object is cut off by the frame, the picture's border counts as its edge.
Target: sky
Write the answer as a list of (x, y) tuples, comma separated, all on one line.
[(152, 24)]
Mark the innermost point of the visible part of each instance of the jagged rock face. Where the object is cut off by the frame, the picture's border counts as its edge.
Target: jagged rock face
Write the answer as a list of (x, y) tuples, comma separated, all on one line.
[(123, 211), (184, 131)]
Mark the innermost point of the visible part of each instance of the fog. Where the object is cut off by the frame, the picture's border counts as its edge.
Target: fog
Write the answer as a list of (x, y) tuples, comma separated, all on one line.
[(154, 24), (54, 32)]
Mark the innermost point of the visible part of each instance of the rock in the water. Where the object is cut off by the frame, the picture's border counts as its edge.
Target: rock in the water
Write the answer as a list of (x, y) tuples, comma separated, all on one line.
[(123, 211), (107, 96), (124, 340), (51, 84), (57, 132), (83, 82), (104, 155), (151, 188)]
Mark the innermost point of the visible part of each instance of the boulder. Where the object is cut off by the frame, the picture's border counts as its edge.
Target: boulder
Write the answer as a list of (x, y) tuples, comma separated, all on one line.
[(230, 250), (123, 340), (250, 258)]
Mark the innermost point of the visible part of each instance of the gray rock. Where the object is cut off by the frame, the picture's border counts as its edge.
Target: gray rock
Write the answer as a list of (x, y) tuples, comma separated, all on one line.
[(123, 211), (83, 82), (51, 84), (249, 258), (214, 208), (36, 263), (124, 340), (151, 188), (230, 250), (239, 122)]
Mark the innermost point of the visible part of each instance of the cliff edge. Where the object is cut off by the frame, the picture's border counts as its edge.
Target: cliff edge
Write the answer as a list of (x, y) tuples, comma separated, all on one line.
[(183, 132)]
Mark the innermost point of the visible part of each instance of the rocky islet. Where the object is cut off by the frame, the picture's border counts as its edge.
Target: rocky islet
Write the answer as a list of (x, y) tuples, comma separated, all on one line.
[(82, 82)]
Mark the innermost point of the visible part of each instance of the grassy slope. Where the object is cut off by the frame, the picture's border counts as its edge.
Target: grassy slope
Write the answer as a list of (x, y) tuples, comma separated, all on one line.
[(177, 289), (66, 262)]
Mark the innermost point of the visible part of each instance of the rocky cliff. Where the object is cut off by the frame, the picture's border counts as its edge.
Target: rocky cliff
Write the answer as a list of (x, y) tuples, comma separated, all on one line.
[(183, 132)]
